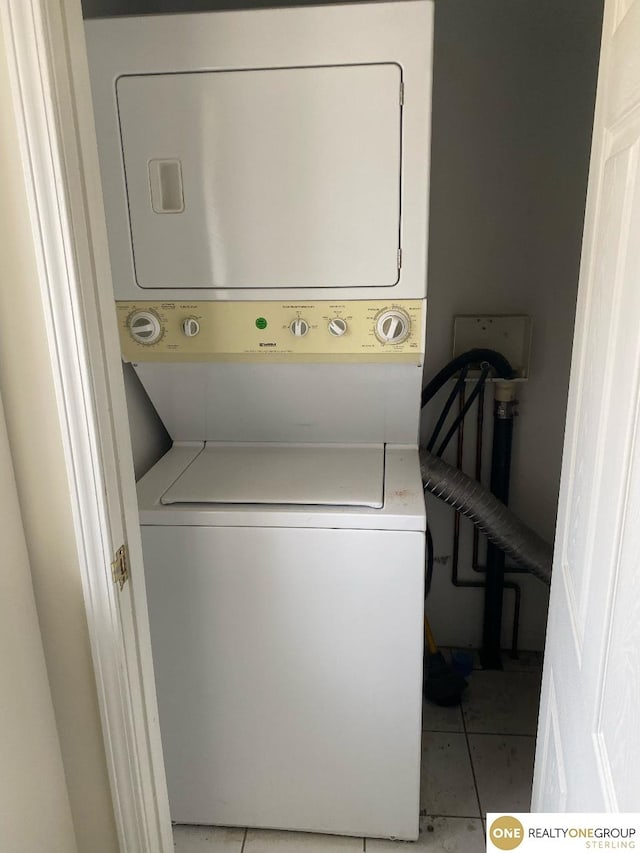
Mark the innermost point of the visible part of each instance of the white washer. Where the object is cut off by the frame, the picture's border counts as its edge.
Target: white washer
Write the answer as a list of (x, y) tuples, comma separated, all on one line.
[(287, 643), (265, 177)]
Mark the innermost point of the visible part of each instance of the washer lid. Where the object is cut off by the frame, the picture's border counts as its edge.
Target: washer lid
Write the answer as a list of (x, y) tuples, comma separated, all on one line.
[(302, 474)]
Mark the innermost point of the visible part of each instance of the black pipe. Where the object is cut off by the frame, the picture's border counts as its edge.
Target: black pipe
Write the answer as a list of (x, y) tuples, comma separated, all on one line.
[(490, 654), (515, 631), (455, 549)]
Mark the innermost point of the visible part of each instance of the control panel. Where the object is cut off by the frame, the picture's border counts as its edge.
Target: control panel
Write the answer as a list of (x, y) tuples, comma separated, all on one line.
[(353, 331)]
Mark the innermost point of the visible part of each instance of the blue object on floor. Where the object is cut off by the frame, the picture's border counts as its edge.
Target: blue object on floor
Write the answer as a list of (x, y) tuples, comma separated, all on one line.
[(462, 662)]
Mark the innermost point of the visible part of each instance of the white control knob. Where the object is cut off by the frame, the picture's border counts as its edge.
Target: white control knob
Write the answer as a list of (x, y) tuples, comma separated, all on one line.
[(393, 326), (337, 327), (299, 327), (145, 327), (190, 327)]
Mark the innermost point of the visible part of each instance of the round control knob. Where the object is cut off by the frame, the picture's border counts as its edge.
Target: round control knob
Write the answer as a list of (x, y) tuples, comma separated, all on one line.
[(299, 327), (392, 326), (190, 327), (337, 327), (145, 327)]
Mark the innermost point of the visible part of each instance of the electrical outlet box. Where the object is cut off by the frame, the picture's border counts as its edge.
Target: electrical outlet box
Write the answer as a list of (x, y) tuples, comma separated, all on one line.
[(509, 335)]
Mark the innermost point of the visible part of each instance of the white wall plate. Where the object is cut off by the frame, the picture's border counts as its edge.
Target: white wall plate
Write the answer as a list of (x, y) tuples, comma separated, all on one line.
[(510, 335)]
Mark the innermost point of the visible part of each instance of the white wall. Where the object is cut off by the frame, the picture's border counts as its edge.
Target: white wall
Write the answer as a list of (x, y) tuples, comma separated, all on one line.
[(26, 386), (35, 815), (514, 86)]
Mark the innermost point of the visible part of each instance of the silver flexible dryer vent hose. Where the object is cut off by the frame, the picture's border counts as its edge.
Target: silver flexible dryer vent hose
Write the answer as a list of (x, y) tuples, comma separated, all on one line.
[(491, 516)]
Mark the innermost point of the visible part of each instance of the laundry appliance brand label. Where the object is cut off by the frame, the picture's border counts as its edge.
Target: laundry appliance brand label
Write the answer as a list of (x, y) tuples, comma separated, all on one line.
[(562, 833)]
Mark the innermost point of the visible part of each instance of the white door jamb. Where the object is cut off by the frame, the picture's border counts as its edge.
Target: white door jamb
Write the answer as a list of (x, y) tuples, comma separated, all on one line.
[(44, 45)]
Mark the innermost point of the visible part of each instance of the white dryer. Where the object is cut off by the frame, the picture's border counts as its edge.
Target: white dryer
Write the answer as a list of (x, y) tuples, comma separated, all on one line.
[(265, 177)]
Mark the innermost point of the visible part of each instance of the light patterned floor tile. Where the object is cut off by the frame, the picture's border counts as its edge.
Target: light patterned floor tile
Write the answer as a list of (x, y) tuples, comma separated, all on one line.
[(207, 839), (503, 767), (270, 841), (435, 718), (525, 662), (502, 702), (438, 835), (447, 786)]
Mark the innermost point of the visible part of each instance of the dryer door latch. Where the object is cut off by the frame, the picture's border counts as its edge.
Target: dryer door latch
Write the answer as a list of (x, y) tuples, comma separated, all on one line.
[(120, 567)]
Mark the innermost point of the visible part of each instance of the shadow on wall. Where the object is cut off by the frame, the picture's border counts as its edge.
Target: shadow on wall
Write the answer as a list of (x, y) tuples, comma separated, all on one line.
[(149, 439), (106, 8), (513, 101)]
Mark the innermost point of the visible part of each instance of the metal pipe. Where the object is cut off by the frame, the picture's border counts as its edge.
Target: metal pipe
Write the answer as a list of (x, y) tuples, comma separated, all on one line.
[(475, 551), (517, 591), (503, 412), (455, 551), (479, 443)]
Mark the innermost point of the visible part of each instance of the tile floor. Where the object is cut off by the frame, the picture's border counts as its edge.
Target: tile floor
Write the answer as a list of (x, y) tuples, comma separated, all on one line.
[(476, 758)]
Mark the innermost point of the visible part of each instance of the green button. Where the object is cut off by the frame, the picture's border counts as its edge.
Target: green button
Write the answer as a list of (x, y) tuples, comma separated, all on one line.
[(261, 323)]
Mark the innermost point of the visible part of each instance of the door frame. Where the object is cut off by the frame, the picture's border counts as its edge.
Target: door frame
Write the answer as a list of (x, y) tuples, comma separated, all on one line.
[(45, 50)]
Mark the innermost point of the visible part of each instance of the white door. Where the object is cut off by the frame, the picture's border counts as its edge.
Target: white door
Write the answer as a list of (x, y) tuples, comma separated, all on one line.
[(589, 742), (57, 152)]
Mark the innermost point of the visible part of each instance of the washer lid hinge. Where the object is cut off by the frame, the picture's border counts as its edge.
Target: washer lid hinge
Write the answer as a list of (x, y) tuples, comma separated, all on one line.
[(120, 567)]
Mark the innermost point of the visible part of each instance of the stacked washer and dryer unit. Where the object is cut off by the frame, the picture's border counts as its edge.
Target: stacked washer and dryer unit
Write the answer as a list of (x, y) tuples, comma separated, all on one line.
[(265, 178)]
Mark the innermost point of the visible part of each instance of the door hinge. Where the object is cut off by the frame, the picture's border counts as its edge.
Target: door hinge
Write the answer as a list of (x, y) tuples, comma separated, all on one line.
[(120, 567), (401, 93), (399, 258)]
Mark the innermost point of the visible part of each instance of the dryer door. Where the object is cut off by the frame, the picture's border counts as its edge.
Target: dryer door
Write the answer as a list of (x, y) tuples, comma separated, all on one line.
[(264, 178)]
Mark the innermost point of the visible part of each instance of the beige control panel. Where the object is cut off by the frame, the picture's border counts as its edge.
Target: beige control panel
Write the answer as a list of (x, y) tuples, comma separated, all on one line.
[(296, 331)]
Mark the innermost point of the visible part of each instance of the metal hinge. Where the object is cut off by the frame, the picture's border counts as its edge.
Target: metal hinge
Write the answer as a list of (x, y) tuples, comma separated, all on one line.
[(120, 567), (399, 258), (401, 93)]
